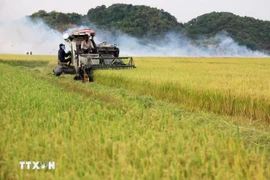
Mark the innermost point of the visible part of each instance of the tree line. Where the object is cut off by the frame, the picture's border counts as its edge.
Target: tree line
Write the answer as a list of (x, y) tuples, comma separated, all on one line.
[(149, 23)]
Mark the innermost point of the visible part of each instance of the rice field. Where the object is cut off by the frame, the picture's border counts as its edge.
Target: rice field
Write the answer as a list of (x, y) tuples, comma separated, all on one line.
[(170, 118), (238, 86)]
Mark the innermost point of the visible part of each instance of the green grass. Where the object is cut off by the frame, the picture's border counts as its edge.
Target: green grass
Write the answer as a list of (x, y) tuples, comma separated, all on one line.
[(25, 63), (93, 131)]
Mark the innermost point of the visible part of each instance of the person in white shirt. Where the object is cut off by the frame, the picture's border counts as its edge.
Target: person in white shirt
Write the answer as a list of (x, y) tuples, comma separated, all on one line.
[(86, 45)]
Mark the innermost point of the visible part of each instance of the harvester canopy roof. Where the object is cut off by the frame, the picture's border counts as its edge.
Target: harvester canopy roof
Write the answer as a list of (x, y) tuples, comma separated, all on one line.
[(83, 32), (79, 34)]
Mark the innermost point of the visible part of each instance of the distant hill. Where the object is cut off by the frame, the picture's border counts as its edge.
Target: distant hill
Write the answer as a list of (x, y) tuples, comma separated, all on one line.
[(138, 21), (253, 33), (149, 23), (58, 20)]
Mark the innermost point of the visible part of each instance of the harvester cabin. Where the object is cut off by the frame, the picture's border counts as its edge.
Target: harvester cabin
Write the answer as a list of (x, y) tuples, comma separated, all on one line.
[(76, 38)]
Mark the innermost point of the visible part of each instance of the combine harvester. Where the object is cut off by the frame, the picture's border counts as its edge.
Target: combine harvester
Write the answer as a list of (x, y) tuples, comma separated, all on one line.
[(102, 56)]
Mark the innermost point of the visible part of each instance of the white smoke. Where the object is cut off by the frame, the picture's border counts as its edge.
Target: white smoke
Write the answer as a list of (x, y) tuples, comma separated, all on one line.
[(26, 35), (179, 45)]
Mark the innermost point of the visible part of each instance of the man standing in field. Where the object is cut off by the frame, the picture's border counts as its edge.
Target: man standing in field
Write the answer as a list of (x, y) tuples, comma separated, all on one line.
[(62, 54)]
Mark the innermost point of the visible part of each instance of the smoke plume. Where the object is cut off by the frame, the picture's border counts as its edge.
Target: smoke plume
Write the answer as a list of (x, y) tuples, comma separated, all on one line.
[(24, 35)]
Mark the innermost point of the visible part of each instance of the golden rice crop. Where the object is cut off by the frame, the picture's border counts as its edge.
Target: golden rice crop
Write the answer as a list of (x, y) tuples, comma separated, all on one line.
[(93, 131), (232, 86)]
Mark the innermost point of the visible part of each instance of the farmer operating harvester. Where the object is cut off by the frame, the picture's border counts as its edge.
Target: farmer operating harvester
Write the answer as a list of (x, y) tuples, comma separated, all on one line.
[(86, 56)]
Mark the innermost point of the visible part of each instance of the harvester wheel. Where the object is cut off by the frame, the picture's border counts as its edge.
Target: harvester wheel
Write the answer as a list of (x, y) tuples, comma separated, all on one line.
[(90, 75), (79, 76), (76, 78), (91, 78), (58, 71)]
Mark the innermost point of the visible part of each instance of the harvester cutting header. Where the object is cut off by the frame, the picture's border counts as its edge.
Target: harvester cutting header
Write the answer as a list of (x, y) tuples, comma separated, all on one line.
[(85, 60)]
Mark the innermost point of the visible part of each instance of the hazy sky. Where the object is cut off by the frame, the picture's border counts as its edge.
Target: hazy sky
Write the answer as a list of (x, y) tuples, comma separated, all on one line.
[(183, 10)]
